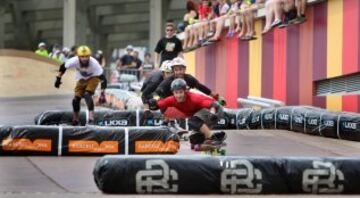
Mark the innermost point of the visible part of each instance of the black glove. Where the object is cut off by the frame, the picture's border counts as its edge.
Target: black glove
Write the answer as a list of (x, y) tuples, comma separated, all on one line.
[(153, 104), (148, 114), (58, 82), (213, 117)]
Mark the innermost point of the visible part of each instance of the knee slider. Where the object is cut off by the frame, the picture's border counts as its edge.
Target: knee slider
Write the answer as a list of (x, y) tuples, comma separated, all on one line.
[(195, 123), (89, 101), (76, 104)]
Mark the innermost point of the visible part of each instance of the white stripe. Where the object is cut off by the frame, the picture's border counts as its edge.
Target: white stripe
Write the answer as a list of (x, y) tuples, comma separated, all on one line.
[(261, 118), (275, 117), (41, 117), (305, 120), (126, 141), (187, 124), (291, 118), (338, 127), (86, 116), (320, 124), (60, 138), (137, 117)]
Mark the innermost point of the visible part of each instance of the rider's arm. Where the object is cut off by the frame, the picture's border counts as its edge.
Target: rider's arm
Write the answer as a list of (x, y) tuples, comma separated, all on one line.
[(62, 70), (194, 83)]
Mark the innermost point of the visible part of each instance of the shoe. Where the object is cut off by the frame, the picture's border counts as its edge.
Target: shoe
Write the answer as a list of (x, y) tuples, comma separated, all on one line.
[(276, 23), (196, 137), (299, 20), (75, 123)]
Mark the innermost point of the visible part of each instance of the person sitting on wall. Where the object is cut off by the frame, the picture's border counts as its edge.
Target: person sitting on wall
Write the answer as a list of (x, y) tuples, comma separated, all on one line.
[(203, 112), (88, 76), (275, 9)]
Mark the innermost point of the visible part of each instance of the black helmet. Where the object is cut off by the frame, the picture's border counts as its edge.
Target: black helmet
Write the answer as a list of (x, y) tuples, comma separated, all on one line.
[(178, 84)]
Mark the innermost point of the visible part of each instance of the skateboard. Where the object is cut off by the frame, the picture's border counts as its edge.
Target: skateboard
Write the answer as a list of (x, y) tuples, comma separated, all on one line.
[(213, 148)]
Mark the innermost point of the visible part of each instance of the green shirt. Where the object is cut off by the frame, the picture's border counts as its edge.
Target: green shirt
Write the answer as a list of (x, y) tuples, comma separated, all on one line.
[(42, 52)]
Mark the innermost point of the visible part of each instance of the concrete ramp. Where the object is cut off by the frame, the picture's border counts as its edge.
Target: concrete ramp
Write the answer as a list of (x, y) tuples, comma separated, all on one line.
[(23, 73)]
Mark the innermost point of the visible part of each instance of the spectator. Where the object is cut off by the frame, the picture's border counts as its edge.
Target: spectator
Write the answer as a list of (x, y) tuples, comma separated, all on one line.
[(275, 9), (300, 8), (248, 31), (147, 67), (137, 63), (148, 60), (224, 8), (42, 51), (233, 26), (55, 48), (72, 52), (65, 53), (99, 56), (57, 56), (190, 17), (127, 59), (168, 47)]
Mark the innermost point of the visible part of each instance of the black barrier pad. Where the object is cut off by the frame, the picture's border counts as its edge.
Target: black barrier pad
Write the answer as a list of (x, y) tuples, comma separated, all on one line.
[(145, 140), (228, 121), (349, 127), (56, 117), (243, 117), (28, 140), (268, 118), (93, 140), (157, 119), (329, 124), (255, 120), (322, 176), (115, 118), (298, 119), (312, 121), (283, 118)]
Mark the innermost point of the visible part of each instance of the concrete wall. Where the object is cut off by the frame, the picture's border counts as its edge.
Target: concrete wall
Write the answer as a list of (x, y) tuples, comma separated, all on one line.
[(284, 63)]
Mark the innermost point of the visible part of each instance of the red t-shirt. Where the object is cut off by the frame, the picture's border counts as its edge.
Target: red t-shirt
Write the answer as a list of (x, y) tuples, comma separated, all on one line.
[(193, 103), (204, 12)]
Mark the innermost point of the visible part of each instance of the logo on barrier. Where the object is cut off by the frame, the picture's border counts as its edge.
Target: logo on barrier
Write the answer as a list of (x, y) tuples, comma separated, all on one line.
[(350, 125), (156, 178), (241, 177), (153, 146), (298, 119), (154, 122), (323, 178), (329, 123), (90, 146), (42, 145), (122, 122), (284, 117)]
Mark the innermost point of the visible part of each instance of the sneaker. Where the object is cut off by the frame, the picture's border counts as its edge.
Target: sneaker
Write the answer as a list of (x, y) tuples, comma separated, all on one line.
[(196, 138), (299, 20), (276, 23), (75, 123)]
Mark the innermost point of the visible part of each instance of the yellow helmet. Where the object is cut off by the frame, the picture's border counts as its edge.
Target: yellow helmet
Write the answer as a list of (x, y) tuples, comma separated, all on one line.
[(83, 50)]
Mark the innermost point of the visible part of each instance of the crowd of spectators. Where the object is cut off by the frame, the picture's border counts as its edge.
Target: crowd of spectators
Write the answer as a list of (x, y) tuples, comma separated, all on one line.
[(205, 20)]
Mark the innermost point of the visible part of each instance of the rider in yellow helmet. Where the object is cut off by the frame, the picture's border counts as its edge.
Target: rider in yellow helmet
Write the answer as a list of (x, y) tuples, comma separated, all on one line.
[(89, 73)]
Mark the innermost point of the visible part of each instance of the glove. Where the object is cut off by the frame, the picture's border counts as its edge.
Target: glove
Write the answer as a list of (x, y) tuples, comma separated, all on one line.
[(222, 101), (58, 82), (153, 104), (148, 114), (213, 117)]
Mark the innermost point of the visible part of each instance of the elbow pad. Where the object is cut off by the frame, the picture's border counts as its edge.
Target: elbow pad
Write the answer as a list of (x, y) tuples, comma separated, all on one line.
[(62, 68)]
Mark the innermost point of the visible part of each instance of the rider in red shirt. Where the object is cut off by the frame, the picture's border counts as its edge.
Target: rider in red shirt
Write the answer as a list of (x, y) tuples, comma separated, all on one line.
[(202, 110)]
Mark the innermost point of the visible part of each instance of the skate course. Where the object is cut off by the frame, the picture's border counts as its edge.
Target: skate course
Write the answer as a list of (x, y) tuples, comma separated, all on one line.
[(35, 176)]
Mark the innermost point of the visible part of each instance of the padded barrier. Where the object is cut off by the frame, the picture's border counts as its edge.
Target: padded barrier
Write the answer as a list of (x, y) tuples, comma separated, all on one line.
[(226, 175), (303, 119), (66, 140)]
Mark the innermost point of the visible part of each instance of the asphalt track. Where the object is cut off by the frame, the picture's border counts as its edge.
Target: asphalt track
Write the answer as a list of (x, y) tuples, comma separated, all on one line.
[(72, 176)]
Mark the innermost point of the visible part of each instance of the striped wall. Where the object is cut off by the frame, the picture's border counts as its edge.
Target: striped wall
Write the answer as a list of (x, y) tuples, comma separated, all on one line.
[(284, 63)]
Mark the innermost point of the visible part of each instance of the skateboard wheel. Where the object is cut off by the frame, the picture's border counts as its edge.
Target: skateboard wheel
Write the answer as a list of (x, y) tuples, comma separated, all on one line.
[(223, 152)]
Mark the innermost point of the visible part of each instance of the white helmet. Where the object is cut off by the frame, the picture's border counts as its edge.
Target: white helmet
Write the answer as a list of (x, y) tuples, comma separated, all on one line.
[(178, 61), (42, 44), (166, 66)]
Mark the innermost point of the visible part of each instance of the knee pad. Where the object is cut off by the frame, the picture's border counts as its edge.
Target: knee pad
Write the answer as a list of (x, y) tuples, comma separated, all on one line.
[(195, 123), (197, 138), (76, 104), (89, 101)]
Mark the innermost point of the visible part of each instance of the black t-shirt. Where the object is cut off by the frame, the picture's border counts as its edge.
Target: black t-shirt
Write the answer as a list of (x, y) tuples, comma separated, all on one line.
[(150, 85), (168, 48), (164, 89), (138, 62), (126, 59)]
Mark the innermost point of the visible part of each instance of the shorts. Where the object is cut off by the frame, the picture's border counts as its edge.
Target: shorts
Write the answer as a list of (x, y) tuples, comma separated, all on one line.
[(88, 85), (204, 115)]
